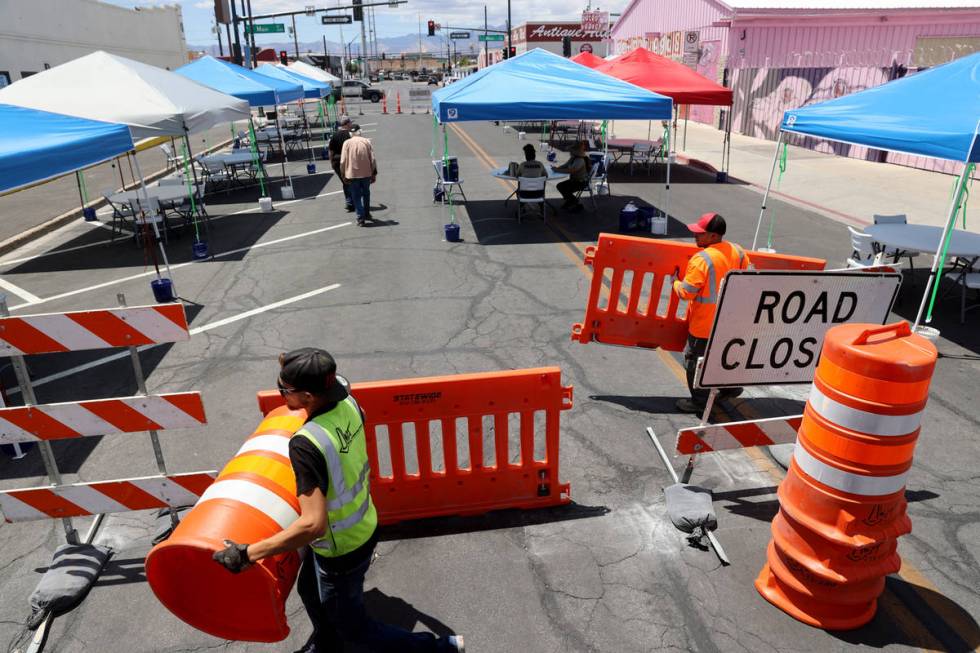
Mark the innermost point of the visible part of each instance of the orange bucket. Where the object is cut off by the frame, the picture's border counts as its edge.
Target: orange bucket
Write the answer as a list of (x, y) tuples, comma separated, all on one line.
[(253, 498)]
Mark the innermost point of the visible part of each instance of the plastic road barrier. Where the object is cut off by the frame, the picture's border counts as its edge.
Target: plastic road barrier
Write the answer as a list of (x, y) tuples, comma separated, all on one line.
[(631, 301), (738, 435), (253, 498), (842, 504)]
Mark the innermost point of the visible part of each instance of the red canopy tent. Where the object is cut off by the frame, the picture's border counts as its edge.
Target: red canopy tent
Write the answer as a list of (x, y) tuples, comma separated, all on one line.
[(589, 59), (675, 80)]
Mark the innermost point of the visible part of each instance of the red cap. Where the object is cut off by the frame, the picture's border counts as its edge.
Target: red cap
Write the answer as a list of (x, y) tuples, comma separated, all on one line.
[(703, 225)]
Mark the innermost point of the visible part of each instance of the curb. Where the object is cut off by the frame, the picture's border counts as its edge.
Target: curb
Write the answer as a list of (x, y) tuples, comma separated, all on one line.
[(32, 234)]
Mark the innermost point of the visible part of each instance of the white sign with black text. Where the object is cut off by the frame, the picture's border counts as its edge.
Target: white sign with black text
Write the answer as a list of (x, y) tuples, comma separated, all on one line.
[(770, 325)]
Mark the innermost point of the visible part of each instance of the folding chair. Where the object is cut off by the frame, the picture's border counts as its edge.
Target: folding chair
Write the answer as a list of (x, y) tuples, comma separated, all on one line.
[(448, 188), (593, 173), (895, 254), (642, 153), (121, 214), (214, 174), (151, 214), (530, 191), (863, 250), (173, 160)]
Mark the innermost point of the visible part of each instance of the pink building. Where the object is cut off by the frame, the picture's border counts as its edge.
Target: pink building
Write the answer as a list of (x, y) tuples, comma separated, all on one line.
[(783, 54)]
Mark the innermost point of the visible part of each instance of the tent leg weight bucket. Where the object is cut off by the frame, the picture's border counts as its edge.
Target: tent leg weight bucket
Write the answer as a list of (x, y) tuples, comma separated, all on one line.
[(163, 290), (452, 233)]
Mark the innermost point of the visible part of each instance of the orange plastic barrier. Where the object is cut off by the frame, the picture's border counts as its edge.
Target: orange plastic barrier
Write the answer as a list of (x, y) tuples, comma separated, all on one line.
[(640, 309), (253, 498), (398, 102), (384, 103), (490, 404), (842, 504)]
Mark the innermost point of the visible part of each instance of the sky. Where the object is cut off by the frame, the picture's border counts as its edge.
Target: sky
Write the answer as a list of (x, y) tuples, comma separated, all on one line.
[(199, 15)]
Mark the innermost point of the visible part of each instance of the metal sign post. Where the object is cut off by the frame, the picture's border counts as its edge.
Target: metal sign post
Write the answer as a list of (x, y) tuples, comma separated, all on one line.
[(47, 455), (770, 325)]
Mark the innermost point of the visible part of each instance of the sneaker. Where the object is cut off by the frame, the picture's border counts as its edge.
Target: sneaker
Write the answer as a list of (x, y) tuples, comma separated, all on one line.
[(686, 405), (457, 641), (360, 222), (349, 208), (368, 216)]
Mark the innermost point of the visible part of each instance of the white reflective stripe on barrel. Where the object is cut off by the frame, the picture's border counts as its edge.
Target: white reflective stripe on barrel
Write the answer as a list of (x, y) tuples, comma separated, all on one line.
[(274, 443), (869, 486), (862, 421), (265, 501)]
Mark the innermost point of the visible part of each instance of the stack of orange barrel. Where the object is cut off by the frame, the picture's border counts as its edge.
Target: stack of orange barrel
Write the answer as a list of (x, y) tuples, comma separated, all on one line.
[(253, 498), (842, 505)]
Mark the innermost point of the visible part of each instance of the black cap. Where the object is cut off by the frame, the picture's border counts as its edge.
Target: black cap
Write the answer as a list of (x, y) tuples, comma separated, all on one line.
[(529, 149), (312, 370)]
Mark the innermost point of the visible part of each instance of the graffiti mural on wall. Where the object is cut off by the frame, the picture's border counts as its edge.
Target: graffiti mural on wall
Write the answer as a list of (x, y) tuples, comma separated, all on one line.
[(763, 94)]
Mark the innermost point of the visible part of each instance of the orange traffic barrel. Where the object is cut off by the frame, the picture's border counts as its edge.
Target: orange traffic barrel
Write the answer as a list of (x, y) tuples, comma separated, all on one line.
[(842, 504), (253, 498)]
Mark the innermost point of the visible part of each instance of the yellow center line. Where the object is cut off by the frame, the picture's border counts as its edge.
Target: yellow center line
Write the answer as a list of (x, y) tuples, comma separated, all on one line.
[(909, 573)]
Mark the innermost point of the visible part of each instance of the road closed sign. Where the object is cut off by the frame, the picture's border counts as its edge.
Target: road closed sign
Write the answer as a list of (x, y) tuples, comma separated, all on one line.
[(769, 326)]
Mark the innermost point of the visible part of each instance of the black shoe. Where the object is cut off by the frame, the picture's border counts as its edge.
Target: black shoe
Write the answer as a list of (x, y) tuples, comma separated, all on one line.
[(309, 647), (350, 208), (686, 405), (368, 216), (729, 393), (360, 222)]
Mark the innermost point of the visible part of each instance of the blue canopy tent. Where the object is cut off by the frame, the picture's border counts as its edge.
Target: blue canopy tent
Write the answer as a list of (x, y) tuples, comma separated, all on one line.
[(934, 113), (312, 89), (255, 88), (540, 85), (36, 145)]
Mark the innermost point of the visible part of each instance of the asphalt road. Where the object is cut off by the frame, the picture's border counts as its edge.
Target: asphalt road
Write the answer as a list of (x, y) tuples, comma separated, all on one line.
[(609, 572)]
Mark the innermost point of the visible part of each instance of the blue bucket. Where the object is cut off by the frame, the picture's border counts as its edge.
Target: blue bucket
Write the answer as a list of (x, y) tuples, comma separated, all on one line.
[(89, 214), (452, 233), (721, 177), (199, 249), (163, 290), (310, 168), (552, 156)]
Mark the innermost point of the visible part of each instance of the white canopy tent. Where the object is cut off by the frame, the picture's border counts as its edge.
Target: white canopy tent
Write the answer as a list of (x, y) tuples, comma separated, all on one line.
[(313, 72), (150, 100)]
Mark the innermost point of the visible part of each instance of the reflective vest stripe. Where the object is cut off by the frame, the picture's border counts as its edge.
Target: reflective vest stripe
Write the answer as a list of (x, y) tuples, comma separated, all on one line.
[(689, 287), (275, 443), (349, 495), (862, 421), (741, 256), (712, 284), (871, 486), (334, 467), (265, 501)]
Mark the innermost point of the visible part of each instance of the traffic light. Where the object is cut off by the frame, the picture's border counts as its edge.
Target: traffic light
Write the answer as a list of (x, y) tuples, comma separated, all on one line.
[(382, 56), (358, 10), (513, 51), (432, 28), (283, 57), (566, 46), (505, 52)]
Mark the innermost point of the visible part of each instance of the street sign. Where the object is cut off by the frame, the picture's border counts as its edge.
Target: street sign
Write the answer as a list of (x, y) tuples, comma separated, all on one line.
[(310, 10), (336, 20), (459, 35), (265, 28), (770, 325), (490, 37)]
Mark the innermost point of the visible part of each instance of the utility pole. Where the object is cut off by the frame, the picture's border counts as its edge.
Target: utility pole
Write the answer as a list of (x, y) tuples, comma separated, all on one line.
[(486, 43), (420, 42), (251, 28), (237, 50), (510, 36), (295, 39), (365, 68), (217, 30)]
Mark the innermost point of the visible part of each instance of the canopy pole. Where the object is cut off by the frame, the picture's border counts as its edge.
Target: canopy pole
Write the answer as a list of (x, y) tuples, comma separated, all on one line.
[(649, 128), (282, 144), (950, 218), (687, 111), (306, 127), (728, 142), (765, 197), (193, 191), (156, 228)]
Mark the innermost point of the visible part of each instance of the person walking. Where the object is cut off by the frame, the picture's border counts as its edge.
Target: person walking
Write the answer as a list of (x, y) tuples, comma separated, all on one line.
[(705, 272), (338, 520), (577, 168), (360, 169), (334, 147)]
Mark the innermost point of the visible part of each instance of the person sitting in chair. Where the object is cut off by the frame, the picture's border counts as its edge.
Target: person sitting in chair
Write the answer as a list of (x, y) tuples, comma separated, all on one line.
[(577, 168), (531, 167)]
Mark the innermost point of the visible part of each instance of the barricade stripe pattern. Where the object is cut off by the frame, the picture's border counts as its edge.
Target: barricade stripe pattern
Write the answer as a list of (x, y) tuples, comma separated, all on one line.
[(101, 417), (265, 501), (862, 421), (871, 486), (123, 495), (736, 435), (76, 331)]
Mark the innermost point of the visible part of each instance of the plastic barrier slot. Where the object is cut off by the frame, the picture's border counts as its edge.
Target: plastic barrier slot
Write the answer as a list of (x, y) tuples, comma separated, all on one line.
[(619, 308)]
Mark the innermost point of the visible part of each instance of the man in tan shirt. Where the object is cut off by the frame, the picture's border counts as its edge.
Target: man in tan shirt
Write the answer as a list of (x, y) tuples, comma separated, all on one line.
[(359, 168)]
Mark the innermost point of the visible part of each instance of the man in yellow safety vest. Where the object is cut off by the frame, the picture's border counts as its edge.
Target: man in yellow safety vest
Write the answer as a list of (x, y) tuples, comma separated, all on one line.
[(337, 518), (699, 287)]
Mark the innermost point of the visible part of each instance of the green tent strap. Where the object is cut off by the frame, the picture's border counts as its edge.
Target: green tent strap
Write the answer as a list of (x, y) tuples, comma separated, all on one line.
[(323, 121), (81, 186), (445, 166), (605, 128), (666, 140), (190, 191), (435, 136), (260, 170), (960, 205), (779, 179)]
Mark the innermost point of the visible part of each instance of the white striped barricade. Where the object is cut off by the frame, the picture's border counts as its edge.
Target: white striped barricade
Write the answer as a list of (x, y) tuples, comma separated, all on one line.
[(738, 435), (123, 495)]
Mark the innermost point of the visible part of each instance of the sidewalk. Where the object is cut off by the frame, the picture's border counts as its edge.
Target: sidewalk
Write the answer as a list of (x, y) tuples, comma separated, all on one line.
[(846, 190)]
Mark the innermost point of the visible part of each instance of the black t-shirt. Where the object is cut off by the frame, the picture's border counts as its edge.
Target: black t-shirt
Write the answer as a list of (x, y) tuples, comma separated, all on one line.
[(310, 469), (336, 143)]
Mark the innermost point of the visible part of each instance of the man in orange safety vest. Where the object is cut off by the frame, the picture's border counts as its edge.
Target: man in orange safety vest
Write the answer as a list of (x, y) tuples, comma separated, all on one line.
[(705, 272)]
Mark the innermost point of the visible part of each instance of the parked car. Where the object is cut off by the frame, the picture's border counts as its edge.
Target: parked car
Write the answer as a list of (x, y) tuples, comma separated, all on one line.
[(357, 88), (374, 77), (432, 80)]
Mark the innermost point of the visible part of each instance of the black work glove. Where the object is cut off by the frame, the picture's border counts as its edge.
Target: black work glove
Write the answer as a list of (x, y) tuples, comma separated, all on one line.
[(234, 557)]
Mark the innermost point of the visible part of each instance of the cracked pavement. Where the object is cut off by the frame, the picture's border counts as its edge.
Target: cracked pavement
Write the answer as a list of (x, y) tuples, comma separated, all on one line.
[(609, 573)]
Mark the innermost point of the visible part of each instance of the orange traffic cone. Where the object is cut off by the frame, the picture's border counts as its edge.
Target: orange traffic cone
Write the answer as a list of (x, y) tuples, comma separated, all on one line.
[(398, 102), (384, 104), (253, 498), (842, 504)]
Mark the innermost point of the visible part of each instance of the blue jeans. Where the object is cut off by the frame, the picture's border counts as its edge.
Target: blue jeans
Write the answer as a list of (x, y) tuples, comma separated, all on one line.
[(360, 190), (335, 604)]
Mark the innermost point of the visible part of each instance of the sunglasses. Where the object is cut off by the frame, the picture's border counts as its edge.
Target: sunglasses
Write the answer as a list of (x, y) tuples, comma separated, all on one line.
[(283, 390)]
